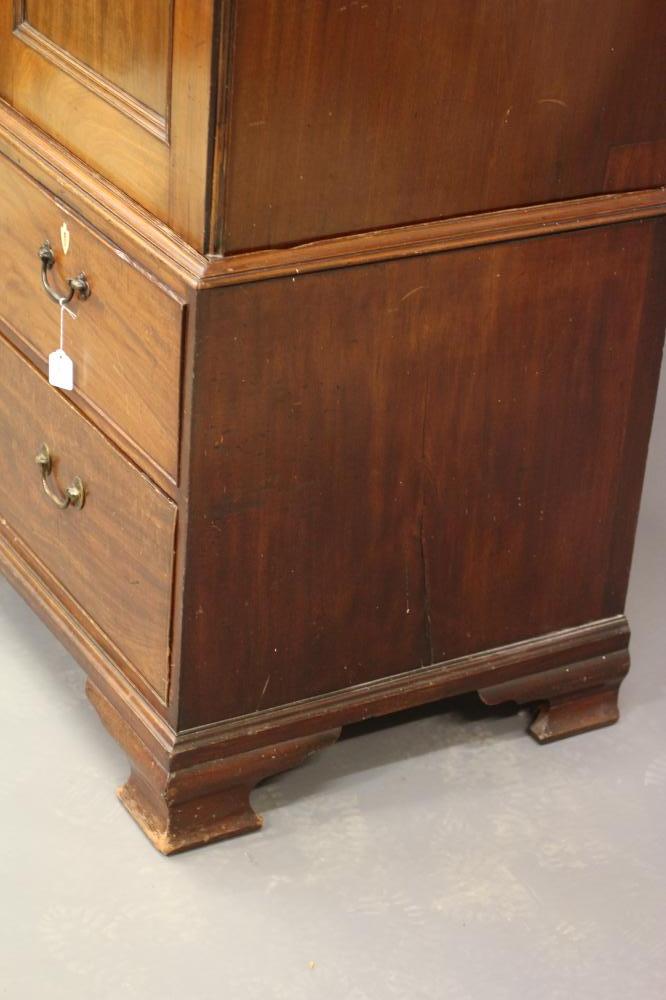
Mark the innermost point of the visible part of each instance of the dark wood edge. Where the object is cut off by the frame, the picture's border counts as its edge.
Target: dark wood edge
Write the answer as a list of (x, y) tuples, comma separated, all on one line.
[(180, 808), (190, 801), (158, 248), (177, 750), (561, 681), (638, 425), (181, 541), (219, 193), (434, 237), (202, 791), (118, 98), (152, 242), (416, 687), (569, 699)]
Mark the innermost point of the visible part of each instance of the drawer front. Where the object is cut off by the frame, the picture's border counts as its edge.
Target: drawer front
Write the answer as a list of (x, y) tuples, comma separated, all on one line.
[(126, 339), (114, 556)]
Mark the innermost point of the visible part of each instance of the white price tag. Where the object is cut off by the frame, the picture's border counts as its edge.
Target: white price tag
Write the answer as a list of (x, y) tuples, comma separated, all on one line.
[(61, 370), (61, 366)]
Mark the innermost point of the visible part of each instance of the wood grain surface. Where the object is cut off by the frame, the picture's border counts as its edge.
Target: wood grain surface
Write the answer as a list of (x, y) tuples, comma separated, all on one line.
[(126, 340), (365, 384), (126, 43), (127, 87), (348, 115), (408, 462), (114, 557)]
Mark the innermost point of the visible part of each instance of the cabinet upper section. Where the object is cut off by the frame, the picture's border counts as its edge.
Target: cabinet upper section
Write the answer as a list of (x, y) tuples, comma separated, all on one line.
[(127, 87), (261, 123)]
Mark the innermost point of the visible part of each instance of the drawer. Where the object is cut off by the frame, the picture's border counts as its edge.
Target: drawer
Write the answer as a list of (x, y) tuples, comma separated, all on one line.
[(126, 340), (114, 556)]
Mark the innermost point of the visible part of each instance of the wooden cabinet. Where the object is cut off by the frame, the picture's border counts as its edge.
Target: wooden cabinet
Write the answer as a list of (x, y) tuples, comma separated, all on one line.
[(355, 116), (246, 124), (368, 319), (126, 86), (450, 463), (126, 340), (111, 561)]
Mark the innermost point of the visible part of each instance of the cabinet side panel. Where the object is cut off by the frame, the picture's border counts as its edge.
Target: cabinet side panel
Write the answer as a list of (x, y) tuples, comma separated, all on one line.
[(353, 116), (406, 462)]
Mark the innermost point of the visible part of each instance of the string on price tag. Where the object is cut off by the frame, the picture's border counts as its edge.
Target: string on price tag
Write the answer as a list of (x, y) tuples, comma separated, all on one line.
[(61, 366)]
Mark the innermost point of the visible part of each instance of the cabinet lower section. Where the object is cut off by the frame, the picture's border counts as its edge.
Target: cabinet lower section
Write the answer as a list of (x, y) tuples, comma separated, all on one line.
[(405, 463), (112, 559), (401, 481), (193, 787), (180, 805)]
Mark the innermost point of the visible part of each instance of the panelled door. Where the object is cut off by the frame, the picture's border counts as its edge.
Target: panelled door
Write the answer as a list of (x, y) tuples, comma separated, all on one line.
[(106, 81)]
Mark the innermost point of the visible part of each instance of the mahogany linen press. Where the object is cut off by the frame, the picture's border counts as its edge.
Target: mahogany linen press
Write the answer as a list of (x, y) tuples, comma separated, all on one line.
[(330, 333)]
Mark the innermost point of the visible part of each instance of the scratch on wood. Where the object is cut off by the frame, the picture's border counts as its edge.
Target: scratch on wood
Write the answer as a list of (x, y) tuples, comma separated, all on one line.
[(264, 690), (413, 292)]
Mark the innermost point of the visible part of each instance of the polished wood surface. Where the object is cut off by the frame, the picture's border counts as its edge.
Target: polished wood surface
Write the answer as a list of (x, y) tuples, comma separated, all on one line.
[(183, 268), (640, 165), (126, 340), (246, 125), (365, 383), (422, 238), (114, 557), (352, 116), (411, 461), (572, 699), (125, 43), (94, 90), (180, 804), (181, 808)]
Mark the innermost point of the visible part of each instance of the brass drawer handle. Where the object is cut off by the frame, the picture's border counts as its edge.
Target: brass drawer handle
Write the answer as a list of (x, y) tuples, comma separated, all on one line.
[(77, 286), (75, 495)]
